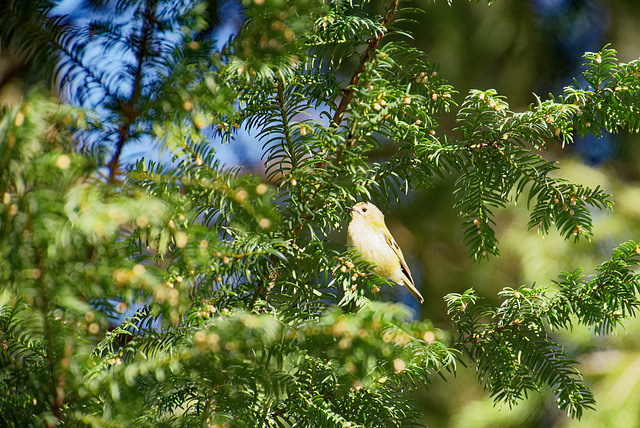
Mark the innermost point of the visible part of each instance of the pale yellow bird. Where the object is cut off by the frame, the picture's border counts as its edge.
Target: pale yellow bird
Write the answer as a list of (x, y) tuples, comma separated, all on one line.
[(368, 234)]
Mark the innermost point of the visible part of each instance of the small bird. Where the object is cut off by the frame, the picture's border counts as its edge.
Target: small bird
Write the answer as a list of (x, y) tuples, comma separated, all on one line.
[(369, 235)]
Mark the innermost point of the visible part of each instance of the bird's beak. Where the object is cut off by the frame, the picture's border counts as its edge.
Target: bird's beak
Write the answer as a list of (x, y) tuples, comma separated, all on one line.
[(350, 208)]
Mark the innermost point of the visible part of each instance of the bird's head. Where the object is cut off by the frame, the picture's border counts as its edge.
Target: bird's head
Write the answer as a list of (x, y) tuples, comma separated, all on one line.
[(368, 212)]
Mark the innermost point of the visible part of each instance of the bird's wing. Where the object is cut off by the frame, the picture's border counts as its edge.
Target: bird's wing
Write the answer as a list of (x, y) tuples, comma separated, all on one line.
[(396, 249), (409, 283)]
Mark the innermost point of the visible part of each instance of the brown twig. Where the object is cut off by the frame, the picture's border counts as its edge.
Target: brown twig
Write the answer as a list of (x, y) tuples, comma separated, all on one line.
[(129, 109), (366, 57)]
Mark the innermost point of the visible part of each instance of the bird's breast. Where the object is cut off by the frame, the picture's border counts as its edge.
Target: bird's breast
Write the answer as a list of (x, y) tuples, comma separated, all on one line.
[(370, 242)]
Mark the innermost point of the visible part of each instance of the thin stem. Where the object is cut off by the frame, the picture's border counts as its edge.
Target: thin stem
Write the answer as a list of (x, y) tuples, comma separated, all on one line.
[(286, 130), (57, 400)]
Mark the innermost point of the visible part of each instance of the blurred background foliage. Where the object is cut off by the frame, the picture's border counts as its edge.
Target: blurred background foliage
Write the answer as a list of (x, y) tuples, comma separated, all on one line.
[(518, 48)]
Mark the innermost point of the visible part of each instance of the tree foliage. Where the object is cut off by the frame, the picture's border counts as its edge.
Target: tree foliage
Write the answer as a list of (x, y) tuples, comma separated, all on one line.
[(243, 312)]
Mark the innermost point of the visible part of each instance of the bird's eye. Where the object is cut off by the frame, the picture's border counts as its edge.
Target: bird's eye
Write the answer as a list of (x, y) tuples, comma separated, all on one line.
[(364, 210)]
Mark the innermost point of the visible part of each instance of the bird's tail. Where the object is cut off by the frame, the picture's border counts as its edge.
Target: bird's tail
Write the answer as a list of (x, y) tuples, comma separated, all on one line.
[(414, 291)]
